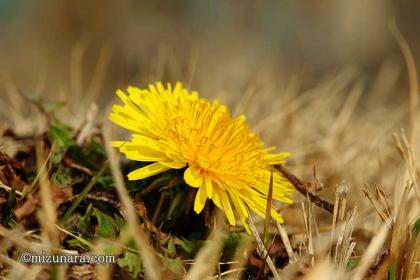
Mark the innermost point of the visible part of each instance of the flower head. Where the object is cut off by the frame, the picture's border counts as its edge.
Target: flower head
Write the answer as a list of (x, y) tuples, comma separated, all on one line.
[(173, 129)]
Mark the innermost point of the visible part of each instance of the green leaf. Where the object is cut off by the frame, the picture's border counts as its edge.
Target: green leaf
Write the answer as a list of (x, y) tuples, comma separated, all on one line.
[(131, 261), (233, 239), (119, 221), (11, 201), (111, 250), (177, 201), (76, 243), (352, 263), (60, 179), (231, 243), (106, 228), (62, 135), (79, 156), (185, 244), (171, 248), (188, 246), (83, 193), (97, 149), (392, 273), (85, 221), (107, 182)]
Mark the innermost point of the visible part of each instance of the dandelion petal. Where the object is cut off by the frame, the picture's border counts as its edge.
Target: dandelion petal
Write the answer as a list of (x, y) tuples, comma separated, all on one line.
[(227, 207), (193, 177), (147, 171), (209, 186), (200, 200)]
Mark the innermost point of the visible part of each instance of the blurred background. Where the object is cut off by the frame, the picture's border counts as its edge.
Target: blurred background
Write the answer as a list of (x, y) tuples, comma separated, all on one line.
[(323, 79), (52, 44)]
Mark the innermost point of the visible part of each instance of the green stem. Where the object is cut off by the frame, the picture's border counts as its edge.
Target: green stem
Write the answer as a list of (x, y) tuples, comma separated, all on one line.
[(268, 213), (84, 192), (11, 200), (266, 237)]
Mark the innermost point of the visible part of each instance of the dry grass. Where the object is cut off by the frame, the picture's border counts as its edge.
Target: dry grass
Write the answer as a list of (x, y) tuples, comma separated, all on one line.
[(345, 147), (356, 213)]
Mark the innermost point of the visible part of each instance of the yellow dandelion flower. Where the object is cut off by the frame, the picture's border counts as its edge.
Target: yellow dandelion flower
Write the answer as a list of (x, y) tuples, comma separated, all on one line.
[(173, 129)]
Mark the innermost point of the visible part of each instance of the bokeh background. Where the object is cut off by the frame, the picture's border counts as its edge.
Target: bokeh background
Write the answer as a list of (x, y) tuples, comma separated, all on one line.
[(217, 43), (323, 79)]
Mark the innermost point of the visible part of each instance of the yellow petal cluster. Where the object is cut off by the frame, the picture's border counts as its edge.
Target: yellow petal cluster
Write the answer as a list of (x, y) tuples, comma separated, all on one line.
[(228, 164)]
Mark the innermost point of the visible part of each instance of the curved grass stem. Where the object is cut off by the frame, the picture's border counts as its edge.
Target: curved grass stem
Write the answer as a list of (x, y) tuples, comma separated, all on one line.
[(84, 192)]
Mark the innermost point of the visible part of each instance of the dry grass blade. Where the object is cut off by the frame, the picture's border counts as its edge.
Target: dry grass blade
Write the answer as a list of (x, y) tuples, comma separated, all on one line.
[(262, 251), (241, 256), (48, 215), (103, 272), (413, 260), (97, 81), (348, 108), (345, 239), (412, 76), (307, 217), (371, 251), (324, 270), (29, 188), (286, 242), (87, 243), (207, 258), (379, 202), (9, 189), (407, 153), (400, 246), (18, 269), (12, 92), (152, 267), (18, 238), (339, 210), (88, 125), (348, 254)]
